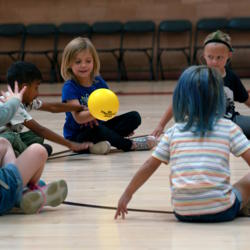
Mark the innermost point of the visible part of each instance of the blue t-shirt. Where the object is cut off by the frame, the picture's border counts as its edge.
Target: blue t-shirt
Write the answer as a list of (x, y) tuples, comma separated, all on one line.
[(71, 91)]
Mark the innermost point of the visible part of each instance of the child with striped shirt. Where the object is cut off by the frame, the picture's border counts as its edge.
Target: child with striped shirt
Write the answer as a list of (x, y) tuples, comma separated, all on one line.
[(197, 148)]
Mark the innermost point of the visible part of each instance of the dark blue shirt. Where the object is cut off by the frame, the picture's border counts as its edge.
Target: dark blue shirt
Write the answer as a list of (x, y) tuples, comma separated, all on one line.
[(71, 91)]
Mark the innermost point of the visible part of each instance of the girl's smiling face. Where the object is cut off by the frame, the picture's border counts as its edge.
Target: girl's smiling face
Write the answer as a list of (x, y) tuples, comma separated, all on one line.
[(82, 67)]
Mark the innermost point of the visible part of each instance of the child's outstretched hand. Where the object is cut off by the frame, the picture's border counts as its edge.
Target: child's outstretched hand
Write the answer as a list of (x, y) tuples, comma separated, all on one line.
[(122, 205), (11, 94)]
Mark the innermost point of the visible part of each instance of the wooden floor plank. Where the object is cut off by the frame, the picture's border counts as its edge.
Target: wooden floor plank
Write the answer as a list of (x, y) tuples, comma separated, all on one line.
[(100, 180)]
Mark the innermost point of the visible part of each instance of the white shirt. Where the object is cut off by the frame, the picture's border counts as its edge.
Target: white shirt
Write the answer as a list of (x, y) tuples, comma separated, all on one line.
[(21, 115)]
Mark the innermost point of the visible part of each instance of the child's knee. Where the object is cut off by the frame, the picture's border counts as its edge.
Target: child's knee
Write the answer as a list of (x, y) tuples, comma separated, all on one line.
[(4, 141), (136, 117), (39, 150), (5, 144)]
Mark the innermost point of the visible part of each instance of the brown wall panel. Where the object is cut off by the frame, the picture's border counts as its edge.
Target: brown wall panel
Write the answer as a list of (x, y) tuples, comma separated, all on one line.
[(58, 11)]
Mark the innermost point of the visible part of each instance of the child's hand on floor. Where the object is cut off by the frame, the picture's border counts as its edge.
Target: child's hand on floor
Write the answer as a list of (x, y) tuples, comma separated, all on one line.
[(80, 146)]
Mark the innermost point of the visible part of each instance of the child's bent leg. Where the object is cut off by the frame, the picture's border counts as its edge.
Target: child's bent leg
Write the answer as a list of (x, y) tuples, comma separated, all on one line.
[(7, 154), (103, 133), (29, 138), (125, 124), (243, 185), (31, 163)]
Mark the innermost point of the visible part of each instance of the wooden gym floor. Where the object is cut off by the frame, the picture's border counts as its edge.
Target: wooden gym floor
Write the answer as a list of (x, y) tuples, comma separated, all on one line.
[(100, 180)]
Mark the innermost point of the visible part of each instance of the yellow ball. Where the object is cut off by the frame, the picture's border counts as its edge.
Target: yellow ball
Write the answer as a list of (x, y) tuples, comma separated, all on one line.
[(103, 104)]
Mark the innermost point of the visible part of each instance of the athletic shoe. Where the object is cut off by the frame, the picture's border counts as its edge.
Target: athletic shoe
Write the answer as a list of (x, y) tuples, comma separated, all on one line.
[(52, 195), (144, 142), (100, 148)]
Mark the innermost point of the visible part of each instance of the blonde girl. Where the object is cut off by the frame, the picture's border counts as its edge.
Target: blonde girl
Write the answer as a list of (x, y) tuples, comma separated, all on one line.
[(80, 70)]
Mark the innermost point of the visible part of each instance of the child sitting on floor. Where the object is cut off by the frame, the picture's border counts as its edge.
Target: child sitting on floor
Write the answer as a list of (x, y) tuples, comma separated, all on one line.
[(17, 173), (197, 148), (80, 69), (27, 74)]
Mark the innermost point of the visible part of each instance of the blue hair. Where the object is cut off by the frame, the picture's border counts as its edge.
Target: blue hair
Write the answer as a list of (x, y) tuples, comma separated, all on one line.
[(199, 98)]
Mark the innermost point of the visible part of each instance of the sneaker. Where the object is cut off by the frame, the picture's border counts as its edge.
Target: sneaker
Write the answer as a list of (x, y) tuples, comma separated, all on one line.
[(48, 148), (100, 148), (52, 195), (144, 142)]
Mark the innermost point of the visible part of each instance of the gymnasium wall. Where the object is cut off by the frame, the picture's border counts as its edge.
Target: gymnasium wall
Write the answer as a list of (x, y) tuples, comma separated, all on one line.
[(58, 11)]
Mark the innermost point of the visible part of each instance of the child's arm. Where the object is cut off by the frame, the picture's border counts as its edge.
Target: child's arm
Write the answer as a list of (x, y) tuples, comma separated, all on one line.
[(52, 136), (147, 169), (164, 120), (57, 107), (246, 156), (83, 116)]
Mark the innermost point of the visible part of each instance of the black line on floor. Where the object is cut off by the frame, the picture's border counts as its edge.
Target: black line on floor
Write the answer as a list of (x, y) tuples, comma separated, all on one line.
[(114, 208)]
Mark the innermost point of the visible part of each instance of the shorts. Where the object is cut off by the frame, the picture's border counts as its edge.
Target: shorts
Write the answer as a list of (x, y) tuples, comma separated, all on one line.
[(11, 193), (227, 215), (20, 141)]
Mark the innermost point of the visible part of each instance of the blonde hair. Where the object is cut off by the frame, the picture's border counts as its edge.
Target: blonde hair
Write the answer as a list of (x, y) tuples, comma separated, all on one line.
[(218, 37), (74, 47)]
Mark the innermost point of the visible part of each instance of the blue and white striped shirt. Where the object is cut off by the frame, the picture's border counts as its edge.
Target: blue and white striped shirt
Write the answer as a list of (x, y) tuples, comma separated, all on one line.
[(200, 173)]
